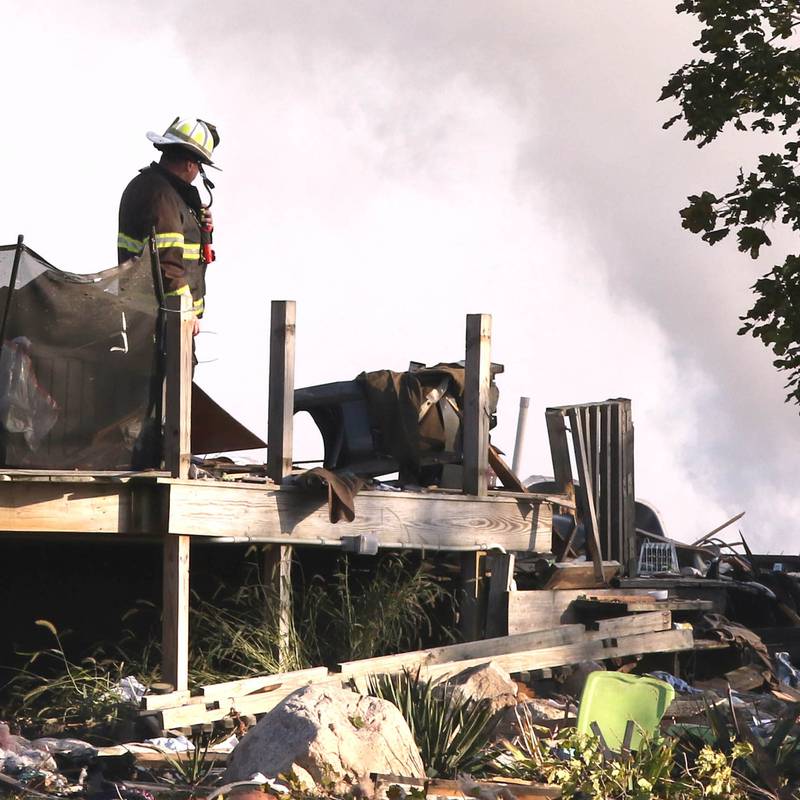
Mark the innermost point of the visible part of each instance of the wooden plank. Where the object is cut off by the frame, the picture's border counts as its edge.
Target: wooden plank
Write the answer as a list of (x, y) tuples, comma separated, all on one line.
[(483, 648), (245, 686), (500, 567), (154, 702), (559, 452), (647, 622), (219, 708), (592, 432), (408, 520), (616, 493), (178, 385), (605, 487), (281, 389), (631, 606), (504, 472), (477, 379), (38, 506), (580, 575), (441, 787), (175, 620), (546, 608), (587, 492), (628, 531), (589, 650)]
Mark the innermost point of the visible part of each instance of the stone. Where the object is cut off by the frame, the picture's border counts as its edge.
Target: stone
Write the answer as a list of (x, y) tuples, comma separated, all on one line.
[(483, 682), (328, 736)]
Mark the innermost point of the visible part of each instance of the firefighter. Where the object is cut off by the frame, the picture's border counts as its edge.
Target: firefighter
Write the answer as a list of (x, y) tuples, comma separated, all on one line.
[(162, 196)]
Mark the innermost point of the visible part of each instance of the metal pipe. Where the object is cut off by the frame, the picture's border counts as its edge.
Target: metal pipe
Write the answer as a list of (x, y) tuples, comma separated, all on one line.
[(522, 419), (12, 282)]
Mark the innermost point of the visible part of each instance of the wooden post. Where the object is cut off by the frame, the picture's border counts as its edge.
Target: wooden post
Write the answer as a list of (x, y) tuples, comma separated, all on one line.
[(277, 558), (177, 458), (175, 620), (281, 390), (501, 569), (178, 386), (471, 610), (277, 570), (477, 380)]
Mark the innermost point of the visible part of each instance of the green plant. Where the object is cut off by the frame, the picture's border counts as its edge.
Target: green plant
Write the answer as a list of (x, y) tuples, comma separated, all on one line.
[(52, 689), (193, 772), (453, 734), (660, 769), (768, 765), (747, 78)]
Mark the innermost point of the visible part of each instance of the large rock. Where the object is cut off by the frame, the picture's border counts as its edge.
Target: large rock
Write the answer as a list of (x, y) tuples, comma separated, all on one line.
[(328, 735), (484, 682)]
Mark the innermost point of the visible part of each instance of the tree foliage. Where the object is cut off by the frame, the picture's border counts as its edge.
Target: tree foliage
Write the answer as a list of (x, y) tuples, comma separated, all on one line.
[(748, 78)]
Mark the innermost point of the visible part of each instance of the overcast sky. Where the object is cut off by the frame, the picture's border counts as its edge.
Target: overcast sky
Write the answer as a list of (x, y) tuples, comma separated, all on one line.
[(393, 166)]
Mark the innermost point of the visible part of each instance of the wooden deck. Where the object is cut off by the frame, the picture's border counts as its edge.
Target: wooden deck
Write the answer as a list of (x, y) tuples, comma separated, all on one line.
[(157, 507), (168, 508)]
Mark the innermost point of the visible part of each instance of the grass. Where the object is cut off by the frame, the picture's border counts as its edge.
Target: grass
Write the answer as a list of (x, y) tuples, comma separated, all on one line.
[(53, 692), (355, 613)]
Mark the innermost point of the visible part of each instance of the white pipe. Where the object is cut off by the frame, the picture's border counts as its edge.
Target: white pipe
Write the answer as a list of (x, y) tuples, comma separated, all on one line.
[(522, 419)]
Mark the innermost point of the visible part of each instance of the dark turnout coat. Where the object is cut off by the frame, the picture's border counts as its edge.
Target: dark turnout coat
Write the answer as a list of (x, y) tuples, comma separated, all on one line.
[(157, 198)]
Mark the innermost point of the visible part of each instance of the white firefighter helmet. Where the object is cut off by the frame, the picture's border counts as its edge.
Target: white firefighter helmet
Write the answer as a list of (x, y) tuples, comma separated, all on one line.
[(193, 134)]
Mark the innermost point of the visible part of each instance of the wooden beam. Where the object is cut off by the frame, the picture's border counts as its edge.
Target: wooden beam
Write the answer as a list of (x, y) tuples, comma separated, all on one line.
[(590, 650), (250, 512), (175, 620), (477, 381), (62, 506), (281, 389), (178, 385), (404, 520)]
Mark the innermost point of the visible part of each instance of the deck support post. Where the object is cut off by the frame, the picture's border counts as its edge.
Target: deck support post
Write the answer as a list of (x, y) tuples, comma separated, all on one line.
[(175, 620), (477, 382), (177, 458), (277, 558), (500, 567)]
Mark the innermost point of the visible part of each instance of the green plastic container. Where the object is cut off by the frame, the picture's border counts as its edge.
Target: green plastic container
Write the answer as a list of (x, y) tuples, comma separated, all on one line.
[(612, 699)]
